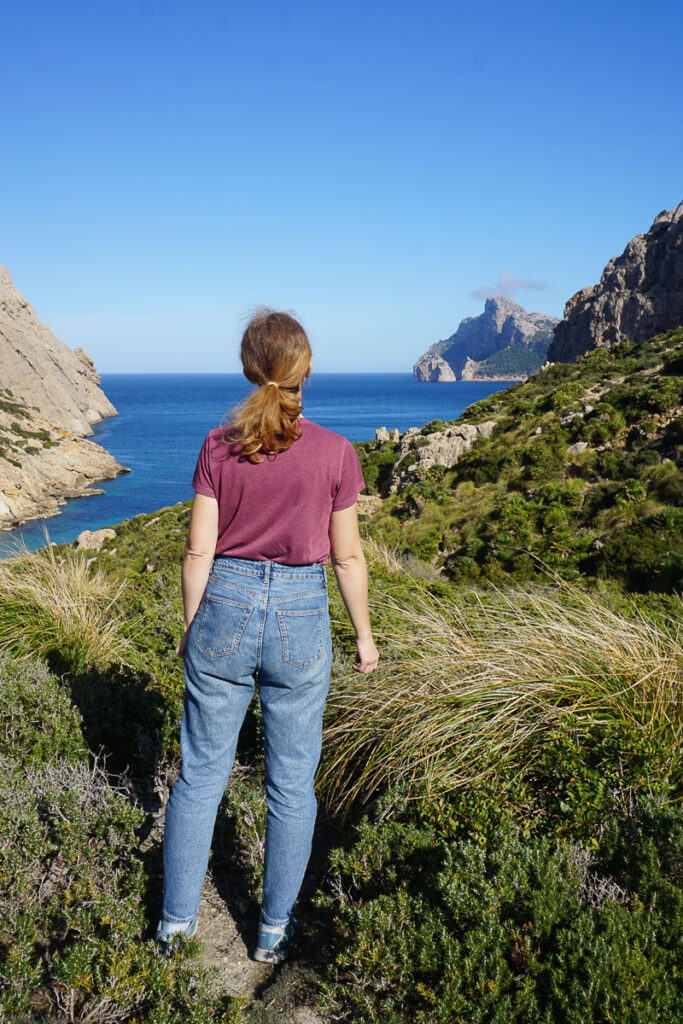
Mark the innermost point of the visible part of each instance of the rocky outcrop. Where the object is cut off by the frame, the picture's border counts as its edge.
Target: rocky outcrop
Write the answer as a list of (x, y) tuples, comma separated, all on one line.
[(433, 368), (640, 294), (382, 435), (92, 540), (419, 452), (504, 343), (42, 465), (49, 399), (41, 371)]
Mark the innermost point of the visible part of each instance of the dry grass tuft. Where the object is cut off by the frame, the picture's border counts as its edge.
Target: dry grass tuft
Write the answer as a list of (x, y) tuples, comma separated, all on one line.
[(472, 682), (52, 604)]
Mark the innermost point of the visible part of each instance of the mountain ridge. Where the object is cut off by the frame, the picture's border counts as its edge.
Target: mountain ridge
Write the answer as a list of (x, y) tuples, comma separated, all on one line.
[(505, 342)]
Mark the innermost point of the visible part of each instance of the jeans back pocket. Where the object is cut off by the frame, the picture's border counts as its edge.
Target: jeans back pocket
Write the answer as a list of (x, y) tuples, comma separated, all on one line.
[(222, 625), (301, 633)]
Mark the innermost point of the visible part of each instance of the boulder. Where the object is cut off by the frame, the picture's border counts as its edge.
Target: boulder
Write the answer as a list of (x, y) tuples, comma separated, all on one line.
[(92, 540), (443, 448)]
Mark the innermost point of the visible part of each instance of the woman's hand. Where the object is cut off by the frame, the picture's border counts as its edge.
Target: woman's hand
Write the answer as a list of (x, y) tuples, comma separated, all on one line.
[(368, 655), (182, 645)]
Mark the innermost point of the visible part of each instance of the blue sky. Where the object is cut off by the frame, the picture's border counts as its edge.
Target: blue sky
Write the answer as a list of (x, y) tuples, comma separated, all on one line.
[(165, 166)]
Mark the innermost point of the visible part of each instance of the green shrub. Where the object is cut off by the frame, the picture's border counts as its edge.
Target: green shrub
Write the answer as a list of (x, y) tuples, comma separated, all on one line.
[(647, 556), (434, 426), (38, 722), (377, 464), (565, 395), (514, 929), (73, 938)]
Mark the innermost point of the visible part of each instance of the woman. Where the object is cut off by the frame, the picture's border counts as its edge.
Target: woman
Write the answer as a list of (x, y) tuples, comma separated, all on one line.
[(275, 495)]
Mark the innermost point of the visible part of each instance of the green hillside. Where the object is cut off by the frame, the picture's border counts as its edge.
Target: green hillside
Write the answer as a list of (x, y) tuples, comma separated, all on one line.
[(581, 475), (501, 835), (517, 358)]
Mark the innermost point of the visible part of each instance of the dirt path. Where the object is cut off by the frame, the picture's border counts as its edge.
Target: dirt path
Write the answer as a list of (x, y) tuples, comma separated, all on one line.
[(226, 940)]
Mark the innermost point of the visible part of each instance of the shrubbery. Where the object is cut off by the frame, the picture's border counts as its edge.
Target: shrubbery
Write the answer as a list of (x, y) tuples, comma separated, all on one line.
[(616, 401), (75, 942), (507, 927)]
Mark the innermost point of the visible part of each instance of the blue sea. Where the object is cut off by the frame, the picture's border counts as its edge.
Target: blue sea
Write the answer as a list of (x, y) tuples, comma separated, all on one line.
[(163, 419)]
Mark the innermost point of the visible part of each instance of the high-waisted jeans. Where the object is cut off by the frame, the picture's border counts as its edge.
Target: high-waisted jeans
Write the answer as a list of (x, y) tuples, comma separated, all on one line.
[(265, 621)]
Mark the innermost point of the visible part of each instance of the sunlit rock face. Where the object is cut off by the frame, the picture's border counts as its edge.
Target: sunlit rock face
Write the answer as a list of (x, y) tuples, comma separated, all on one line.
[(640, 294), (49, 399), (505, 342)]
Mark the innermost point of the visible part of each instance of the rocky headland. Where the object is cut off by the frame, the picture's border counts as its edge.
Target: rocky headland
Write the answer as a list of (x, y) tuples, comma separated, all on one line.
[(49, 399), (505, 342), (640, 294)]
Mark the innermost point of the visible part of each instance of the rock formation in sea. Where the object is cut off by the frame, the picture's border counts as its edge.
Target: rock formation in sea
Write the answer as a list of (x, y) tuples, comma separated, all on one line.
[(505, 342), (640, 294), (49, 399)]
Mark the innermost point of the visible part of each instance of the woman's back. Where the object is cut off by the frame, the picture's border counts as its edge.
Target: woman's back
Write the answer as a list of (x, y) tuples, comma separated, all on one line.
[(279, 509)]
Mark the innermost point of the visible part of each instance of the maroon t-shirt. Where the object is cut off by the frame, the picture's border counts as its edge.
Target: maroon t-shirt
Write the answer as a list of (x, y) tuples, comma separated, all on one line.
[(278, 510)]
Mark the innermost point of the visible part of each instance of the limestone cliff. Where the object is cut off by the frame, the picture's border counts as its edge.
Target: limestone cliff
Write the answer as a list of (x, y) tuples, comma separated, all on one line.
[(640, 294), (49, 398), (505, 342), (42, 371)]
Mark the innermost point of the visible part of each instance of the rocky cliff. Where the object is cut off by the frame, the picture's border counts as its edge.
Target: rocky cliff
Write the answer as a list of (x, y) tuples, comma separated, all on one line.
[(40, 370), (640, 294), (49, 399), (504, 343)]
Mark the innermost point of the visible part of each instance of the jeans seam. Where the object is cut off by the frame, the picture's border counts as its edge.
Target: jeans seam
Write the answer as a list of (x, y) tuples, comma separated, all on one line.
[(170, 919), (262, 627), (233, 586), (299, 597)]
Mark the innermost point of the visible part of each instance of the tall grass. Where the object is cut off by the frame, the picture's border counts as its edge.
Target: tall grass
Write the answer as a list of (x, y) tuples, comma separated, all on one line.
[(473, 681), (57, 605)]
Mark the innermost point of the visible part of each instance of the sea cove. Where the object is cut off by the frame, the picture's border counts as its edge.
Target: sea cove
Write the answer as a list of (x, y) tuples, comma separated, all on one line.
[(163, 418)]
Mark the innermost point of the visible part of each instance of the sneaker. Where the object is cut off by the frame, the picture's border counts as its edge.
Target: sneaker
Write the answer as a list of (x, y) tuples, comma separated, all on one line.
[(275, 940), (165, 938)]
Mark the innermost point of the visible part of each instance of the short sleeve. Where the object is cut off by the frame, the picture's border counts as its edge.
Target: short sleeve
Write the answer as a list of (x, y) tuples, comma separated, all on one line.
[(201, 481), (351, 481)]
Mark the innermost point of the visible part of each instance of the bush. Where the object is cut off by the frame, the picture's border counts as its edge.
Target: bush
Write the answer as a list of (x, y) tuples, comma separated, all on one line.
[(512, 929), (72, 897), (648, 556), (38, 722)]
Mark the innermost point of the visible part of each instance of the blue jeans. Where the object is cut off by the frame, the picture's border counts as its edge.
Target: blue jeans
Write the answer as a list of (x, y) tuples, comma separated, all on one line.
[(265, 621)]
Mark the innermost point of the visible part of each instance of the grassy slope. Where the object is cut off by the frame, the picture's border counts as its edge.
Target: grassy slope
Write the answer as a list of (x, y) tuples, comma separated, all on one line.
[(576, 777), (521, 498)]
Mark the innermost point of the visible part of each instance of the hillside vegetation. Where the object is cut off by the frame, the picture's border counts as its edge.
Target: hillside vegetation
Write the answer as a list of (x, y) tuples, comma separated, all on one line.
[(581, 475), (500, 802)]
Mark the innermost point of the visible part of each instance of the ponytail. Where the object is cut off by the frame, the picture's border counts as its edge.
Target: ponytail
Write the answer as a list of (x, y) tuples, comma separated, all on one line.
[(276, 356)]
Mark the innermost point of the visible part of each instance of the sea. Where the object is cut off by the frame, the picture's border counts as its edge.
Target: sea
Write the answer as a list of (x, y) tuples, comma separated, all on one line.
[(163, 419)]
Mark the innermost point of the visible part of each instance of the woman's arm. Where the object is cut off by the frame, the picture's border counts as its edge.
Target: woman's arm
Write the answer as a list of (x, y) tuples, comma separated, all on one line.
[(348, 562), (200, 547)]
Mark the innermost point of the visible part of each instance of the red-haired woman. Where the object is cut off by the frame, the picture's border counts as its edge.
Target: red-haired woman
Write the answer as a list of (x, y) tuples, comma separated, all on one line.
[(275, 496)]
